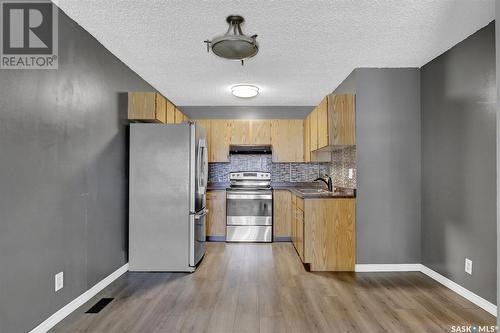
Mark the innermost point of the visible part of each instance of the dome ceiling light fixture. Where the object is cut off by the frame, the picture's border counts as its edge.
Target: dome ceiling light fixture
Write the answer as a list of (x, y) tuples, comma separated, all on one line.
[(245, 90), (234, 44)]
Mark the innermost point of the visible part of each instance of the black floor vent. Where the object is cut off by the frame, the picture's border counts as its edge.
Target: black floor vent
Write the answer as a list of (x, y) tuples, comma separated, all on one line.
[(99, 305)]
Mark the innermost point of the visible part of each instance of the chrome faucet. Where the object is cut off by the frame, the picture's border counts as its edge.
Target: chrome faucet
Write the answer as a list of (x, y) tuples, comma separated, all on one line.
[(327, 181)]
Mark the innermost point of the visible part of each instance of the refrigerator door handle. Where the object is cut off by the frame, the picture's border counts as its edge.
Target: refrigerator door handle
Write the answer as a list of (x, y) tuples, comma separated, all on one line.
[(201, 214), (191, 239), (202, 166)]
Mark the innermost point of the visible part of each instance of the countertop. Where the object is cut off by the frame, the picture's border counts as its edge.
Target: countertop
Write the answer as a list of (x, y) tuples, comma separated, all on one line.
[(293, 187)]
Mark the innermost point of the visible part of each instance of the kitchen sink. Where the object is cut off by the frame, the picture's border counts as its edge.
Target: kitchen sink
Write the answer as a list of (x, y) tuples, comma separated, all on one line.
[(312, 190)]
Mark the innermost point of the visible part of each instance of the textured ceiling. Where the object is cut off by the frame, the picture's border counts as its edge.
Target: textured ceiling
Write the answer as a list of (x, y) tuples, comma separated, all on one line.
[(306, 47)]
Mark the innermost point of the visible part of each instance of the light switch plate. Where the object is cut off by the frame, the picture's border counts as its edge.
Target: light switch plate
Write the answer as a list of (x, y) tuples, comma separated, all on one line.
[(59, 281), (468, 266), (351, 173)]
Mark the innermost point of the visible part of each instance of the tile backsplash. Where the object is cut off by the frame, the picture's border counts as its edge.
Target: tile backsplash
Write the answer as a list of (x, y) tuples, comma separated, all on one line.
[(280, 172), (342, 161), (289, 172)]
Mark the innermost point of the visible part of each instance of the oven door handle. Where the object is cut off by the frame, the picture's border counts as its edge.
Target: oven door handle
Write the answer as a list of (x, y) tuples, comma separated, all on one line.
[(249, 196)]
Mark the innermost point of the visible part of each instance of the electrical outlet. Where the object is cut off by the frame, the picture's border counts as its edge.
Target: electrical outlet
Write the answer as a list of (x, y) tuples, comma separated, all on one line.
[(351, 173), (59, 281), (468, 266)]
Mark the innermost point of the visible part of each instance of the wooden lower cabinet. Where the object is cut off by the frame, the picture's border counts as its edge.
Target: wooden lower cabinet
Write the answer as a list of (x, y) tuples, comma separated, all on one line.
[(330, 234), (324, 233), (299, 231), (282, 211), (297, 227), (216, 217)]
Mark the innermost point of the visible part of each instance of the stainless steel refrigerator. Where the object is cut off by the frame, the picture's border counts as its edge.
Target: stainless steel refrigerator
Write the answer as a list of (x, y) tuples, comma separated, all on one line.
[(167, 196)]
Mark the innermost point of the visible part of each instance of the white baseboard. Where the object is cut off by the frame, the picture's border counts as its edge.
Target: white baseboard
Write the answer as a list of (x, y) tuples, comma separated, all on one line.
[(387, 267), (467, 294), (79, 301)]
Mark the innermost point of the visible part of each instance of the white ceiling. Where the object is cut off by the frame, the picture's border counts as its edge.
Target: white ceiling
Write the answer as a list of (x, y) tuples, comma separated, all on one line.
[(306, 47)]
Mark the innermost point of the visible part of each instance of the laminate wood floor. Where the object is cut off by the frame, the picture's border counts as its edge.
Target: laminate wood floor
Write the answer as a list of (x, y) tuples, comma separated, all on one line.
[(264, 288)]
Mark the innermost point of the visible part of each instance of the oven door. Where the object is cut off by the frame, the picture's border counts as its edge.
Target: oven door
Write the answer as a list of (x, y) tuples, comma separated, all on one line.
[(249, 215), (249, 207)]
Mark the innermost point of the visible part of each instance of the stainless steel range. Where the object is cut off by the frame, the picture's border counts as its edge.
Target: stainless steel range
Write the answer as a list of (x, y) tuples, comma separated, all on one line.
[(249, 207)]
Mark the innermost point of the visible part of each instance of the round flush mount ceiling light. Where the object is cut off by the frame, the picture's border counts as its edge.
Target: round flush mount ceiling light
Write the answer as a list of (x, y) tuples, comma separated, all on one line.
[(234, 44), (245, 90)]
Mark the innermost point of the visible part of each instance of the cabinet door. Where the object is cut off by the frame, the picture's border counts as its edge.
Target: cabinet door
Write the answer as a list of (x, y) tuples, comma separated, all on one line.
[(142, 106), (287, 140), (322, 120), (342, 119), (220, 139), (161, 108), (260, 132), (282, 210), (330, 234), (293, 220), (313, 129), (170, 113), (307, 139), (179, 116), (206, 124), (300, 233), (216, 217), (240, 132)]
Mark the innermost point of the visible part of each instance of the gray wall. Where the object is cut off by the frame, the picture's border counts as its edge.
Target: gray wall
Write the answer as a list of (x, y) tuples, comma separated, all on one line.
[(459, 163), (63, 177), (388, 164), (497, 48), (246, 112)]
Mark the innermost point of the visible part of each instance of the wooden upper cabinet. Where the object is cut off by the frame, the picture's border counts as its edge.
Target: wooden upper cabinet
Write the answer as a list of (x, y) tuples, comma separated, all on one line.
[(313, 129), (220, 136), (287, 140), (170, 113), (307, 139), (146, 106), (342, 119), (322, 127), (178, 116), (250, 132), (205, 123), (260, 132), (161, 108), (331, 124), (240, 132)]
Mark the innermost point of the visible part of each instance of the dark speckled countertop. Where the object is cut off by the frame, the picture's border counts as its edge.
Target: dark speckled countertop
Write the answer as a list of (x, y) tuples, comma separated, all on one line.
[(293, 187)]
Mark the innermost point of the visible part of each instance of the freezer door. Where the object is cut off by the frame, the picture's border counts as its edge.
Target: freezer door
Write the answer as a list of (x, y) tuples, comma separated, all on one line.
[(197, 236), (199, 167)]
